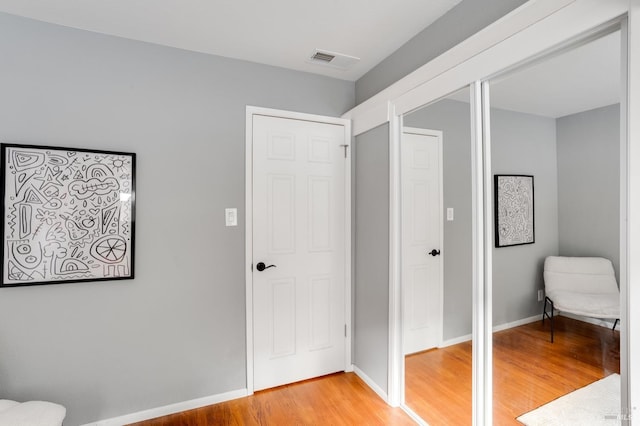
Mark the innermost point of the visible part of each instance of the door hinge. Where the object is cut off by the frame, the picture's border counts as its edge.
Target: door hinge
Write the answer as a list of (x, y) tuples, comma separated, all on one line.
[(345, 150), (345, 330)]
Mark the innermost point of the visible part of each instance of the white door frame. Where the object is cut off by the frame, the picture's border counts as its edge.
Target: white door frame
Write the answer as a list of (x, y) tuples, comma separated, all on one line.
[(631, 216), (532, 29), (250, 112), (439, 135)]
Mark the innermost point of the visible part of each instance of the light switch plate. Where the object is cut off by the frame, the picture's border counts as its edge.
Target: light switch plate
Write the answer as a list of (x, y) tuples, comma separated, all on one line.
[(450, 213), (231, 217)]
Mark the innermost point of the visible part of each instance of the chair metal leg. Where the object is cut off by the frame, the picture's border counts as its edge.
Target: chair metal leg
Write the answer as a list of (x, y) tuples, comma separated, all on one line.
[(615, 323), (546, 314), (551, 320)]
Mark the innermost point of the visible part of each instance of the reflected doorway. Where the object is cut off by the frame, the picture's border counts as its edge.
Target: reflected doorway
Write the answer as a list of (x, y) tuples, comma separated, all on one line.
[(436, 247)]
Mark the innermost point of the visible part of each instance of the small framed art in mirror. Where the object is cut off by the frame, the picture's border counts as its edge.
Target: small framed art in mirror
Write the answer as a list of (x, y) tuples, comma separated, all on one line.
[(514, 210)]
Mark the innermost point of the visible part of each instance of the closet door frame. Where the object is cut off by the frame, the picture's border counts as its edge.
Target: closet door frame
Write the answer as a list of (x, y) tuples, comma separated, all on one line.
[(529, 32)]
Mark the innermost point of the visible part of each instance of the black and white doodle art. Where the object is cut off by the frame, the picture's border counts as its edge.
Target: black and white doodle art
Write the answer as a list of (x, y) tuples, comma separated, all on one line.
[(515, 223), (68, 215)]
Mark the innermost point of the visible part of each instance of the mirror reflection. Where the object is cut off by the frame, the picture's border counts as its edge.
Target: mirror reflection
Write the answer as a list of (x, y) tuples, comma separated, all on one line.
[(555, 148), (436, 260), (557, 124)]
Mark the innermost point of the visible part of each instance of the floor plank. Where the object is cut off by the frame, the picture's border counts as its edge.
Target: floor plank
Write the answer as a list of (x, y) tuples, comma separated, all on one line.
[(337, 399), (529, 371)]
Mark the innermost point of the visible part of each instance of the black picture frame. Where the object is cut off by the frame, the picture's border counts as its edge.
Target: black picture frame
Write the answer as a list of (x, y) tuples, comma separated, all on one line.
[(68, 215), (514, 210)]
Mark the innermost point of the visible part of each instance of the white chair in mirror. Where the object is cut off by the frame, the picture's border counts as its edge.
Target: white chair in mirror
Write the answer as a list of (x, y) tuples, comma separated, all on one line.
[(32, 413), (584, 286)]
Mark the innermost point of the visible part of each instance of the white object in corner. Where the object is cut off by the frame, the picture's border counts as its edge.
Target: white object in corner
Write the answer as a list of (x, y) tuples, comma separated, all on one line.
[(31, 413)]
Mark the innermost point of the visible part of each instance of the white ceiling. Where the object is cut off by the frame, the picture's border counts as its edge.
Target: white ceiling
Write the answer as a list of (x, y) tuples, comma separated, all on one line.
[(283, 33), (578, 80)]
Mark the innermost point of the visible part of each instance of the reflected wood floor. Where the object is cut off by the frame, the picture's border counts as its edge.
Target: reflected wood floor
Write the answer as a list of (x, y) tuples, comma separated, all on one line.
[(528, 371), (337, 399)]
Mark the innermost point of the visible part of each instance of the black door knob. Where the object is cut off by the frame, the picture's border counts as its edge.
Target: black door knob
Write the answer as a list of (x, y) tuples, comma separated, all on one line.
[(434, 252), (261, 266)]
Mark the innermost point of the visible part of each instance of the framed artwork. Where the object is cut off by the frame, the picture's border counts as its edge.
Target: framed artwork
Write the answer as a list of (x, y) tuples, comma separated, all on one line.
[(69, 215), (514, 210)]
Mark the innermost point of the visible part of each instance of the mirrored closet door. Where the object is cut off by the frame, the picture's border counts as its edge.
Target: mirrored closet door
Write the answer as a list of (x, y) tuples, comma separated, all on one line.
[(436, 266), (555, 159), (552, 128)]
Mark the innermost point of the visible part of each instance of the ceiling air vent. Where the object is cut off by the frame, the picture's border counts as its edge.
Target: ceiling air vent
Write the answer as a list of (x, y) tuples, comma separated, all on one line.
[(321, 56), (332, 59)]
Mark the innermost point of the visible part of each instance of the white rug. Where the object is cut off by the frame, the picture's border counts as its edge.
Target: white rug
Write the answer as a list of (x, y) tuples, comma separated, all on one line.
[(593, 405)]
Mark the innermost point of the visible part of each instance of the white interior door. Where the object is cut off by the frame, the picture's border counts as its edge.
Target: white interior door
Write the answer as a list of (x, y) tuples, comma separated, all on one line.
[(421, 239), (299, 227)]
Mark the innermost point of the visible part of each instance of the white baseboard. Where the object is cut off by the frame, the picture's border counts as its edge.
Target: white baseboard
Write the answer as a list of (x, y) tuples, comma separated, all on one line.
[(595, 321), (496, 328), (373, 385), (517, 323), (456, 340), (228, 396), (349, 369), (171, 409), (416, 418)]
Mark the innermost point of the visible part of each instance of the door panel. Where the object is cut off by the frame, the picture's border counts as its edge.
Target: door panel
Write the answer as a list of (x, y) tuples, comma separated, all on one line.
[(281, 201), (298, 226), (283, 295)]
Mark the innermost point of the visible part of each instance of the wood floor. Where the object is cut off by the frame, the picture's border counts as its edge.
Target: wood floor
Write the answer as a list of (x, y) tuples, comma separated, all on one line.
[(338, 399), (529, 371)]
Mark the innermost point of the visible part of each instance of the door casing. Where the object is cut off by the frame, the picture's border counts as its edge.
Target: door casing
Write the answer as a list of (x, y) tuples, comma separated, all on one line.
[(437, 134), (250, 112)]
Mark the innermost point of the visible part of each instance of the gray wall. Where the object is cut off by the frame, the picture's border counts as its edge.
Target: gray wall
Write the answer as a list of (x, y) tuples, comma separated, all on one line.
[(461, 22), (525, 144), (589, 183), (522, 144), (177, 331), (371, 247)]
